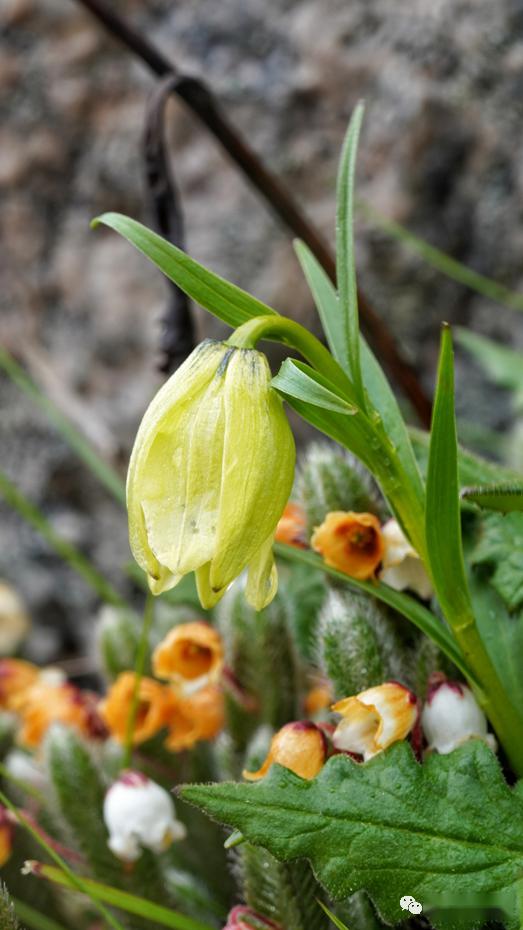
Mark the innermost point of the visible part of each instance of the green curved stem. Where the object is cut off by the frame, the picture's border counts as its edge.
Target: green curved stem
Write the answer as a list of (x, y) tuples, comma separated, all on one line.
[(281, 329)]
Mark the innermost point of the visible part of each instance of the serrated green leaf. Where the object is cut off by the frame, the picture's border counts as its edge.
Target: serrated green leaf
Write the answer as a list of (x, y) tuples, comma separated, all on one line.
[(443, 522), (226, 301), (501, 546), (345, 263), (505, 498), (390, 826)]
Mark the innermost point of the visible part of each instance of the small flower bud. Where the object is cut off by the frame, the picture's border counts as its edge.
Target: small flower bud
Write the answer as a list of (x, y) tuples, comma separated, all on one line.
[(244, 918), (198, 498), (191, 652), (374, 719), (299, 746), (402, 567), (6, 835), (451, 716), (292, 526), (14, 620), (350, 542), (139, 813)]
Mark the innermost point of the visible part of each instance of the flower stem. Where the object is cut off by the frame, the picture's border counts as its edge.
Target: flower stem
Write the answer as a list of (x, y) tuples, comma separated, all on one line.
[(281, 329), (139, 667)]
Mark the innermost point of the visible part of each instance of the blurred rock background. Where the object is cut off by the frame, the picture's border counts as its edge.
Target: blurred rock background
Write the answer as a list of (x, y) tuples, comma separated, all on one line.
[(441, 153)]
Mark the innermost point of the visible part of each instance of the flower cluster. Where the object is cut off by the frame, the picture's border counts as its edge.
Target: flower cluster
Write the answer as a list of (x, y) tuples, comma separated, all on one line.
[(187, 702), (41, 697), (375, 719), (360, 546)]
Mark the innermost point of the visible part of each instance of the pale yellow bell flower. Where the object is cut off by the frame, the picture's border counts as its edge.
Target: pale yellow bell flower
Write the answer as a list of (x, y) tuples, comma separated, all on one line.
[(210, 473)]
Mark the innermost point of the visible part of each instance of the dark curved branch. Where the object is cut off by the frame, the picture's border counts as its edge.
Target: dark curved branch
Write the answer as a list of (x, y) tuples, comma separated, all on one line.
[(177, 337), (202, 102)]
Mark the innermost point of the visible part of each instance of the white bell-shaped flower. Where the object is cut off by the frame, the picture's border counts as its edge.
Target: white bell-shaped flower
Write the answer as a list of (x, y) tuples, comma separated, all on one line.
[(402, 568), (451, 716), (139, 813)]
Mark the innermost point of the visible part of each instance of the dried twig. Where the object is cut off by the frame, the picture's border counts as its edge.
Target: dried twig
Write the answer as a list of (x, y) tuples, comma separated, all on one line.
[(177, 338), (201, 101)]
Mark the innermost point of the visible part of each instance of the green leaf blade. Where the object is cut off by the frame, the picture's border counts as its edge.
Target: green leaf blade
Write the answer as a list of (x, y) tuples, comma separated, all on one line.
[(297, 379), (443, 522), (326, 300), (388, 827), (226, 301), (345, 263)]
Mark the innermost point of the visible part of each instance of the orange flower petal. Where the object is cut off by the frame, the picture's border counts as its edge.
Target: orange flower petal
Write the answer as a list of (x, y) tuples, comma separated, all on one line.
[(198, 717), (188, 652), (16, 677), (299, 746), (155, 706), (46, 704), (375, 718), (350, 542), (292, 526)]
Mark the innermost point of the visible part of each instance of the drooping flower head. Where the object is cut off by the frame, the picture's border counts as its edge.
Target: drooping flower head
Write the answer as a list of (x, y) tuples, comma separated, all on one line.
[(155, 707), (210, 473), (375, 718), (299, 746), (139, 813), (191, 652), (350, 542)]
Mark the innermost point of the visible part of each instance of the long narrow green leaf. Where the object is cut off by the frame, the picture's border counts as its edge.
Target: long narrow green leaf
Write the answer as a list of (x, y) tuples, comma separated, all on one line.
[(345, 263), (226, 301), (83, 448), (130, 903), (326, 300), (503, 365), (297, 379), (375, 382), (335, 920), (408, 606), (35, 920), (443, 521), (14, 497)]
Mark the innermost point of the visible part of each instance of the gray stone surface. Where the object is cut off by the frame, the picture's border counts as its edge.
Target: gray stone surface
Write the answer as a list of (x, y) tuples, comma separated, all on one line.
[(440, 152)]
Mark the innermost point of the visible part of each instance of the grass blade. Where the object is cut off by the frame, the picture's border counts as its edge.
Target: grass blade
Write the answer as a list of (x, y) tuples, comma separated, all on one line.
[(335, 920), (130, 903), (443, 521), (35, 920), (345, 262), (226, 301), (83, 448), (14, 497), (443, 262)]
